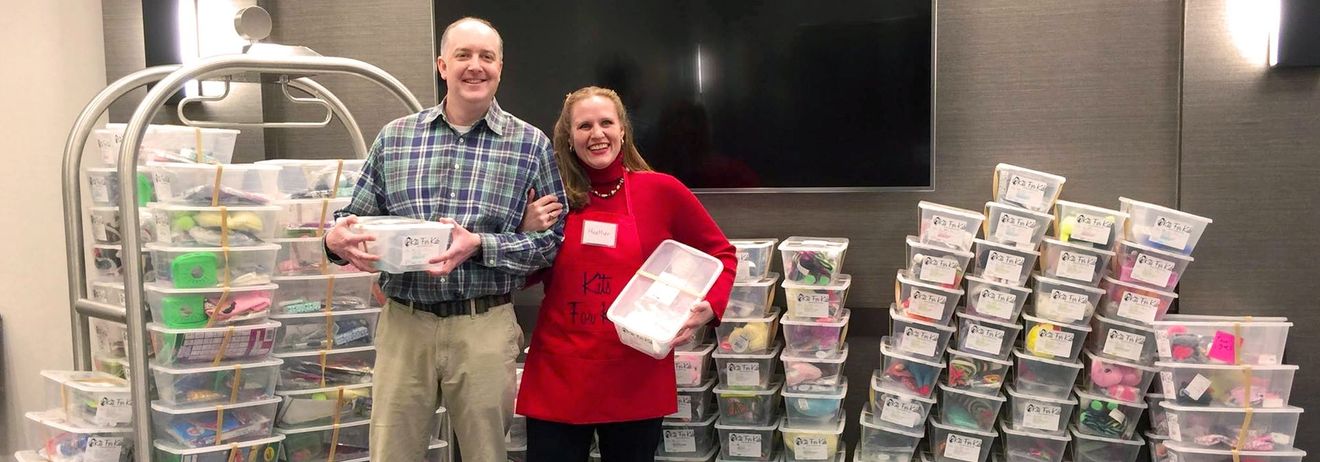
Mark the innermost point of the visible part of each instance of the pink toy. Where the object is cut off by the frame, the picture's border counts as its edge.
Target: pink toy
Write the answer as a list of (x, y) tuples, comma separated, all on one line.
[(800, 372), (1117, 381)]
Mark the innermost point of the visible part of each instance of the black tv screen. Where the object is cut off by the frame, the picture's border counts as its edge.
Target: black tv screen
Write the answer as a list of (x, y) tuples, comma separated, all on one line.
[(734, 95)]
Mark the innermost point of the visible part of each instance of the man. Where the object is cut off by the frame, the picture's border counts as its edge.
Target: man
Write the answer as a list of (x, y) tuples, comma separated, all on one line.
[(452, 332)]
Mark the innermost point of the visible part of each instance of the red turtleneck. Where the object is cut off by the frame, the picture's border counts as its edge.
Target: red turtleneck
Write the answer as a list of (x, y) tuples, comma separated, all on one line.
[(603, 181)]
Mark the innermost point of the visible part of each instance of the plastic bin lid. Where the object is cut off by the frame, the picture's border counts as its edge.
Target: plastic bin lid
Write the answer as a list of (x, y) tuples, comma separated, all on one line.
[(1049, 280), (927, 205), (894, 314), (181, 451), (887, 350), (1102, 359), (168, 409), (754, 243), (785, 427), (1174, 406), (1078, 247), (963, 314), (1018, 210), (836, 358), (322, 390), (876, 386), (766, 281), (332, 200), (89, 381), (342, 425), (935, 422), (912, 241), (957, 391), (702, 350), (708, 384), (332, 314), (905, 277), (227, 167), (1083, 394), (206, 208), (388, 222), (1225, 367), (325, 277), (702, 458), (1085, 328), (708, 421), (1004, 428), (866, 419), (154, 327), (1135, 441), (1161, 253), (198, 370), (1142, 288), (769, 390), (1126, 204), (1179, 446), (978, 356), (760, 428), (167, 289), (800, 243), (153, 246), (56, 419), (769, 317), (1017, 394), (336, 351), (839, 394), (1013, 168), (1091, 208), (791, 321), (981, 280), (1075, 364), (842, 282), (1006, 247)]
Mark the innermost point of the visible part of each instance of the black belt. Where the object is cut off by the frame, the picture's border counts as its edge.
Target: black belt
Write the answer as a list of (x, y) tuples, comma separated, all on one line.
[(456, 307)]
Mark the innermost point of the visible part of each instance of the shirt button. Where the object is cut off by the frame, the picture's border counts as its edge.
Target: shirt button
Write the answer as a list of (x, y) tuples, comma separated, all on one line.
[(453, 195), (455, 166)]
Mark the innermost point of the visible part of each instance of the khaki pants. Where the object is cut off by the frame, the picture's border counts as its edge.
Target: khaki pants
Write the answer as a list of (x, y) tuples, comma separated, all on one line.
[(467, 359)]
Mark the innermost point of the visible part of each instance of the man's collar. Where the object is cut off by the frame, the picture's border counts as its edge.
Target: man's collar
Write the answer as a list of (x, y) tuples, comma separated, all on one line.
[(495, 117)]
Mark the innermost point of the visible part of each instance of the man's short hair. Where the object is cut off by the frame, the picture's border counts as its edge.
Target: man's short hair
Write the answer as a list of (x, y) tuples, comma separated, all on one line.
[(445, 36)]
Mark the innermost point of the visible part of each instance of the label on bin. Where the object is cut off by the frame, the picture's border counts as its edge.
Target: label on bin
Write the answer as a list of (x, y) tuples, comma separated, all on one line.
[(744, 444), (1171, 233), (1077, 266), (100, 186), (114, 411), (926, 304), (1139, 307), (1166, 383), (687, 371), (984, 339), (161, 185), (103, 449), (812, 448), (811, 305), (964, 448), (418, 249), (1004, 266), (949, 231), (1016, 229), (1152, 270), (1162, 344), (1054, 342), (921, 342), (996, 303), (939, 270), (1196, 387), (1042, 416), (1092, 228), (684, 408), (1026, 191), (1125, 345), (1065, 306), (743, 374), (900, 412), (680, 440), (1175, 430)]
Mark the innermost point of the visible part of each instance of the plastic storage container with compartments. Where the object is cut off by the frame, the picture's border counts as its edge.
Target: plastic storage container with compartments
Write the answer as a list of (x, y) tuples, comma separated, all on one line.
[(198, 267), (752, 298), (1072, 262), (994, 299), (262, 450), (1026, 188), (975, 372), (210, 425), (921, 339), (56, 439), (695, 403), (948, 226), (880, 442), (748, 407), (337, 443), (1222, 341), (317, 294), (1133, 303), (754, 258), (1004, 263), (745, 371), (1116, 379), (924, 301), (811, 337), (209, 307), (1021, 445), (1089, 225), (1147, 266), (985, 336), (1053, 340), (212, 345), (748, 442), (324, 406), (315, 178), (1092, 448), (750, 335), (1015, 226), (906, 373), (813, 373), (326, 368), (93, 399), (651, 309), (1106, 417), (1162, 227), (403, 244), (172, 143), (329, 330), (1046, 377), (1227, 385), (690, 366), (813, 260), (936, 264), (307, 217), (1249, 429), (897, 409), (815, 410), (687, 438), (817, 301), (200, 226), (305, 256), (949, 443), (103, 185), (811, 444), (214, 185), (216, 384), (1063, 301), (1184, 452), (1039, 414), (1122, 341), (967, 409)]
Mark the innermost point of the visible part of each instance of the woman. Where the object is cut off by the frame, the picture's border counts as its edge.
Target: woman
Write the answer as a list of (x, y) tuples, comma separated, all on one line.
[(578, 378)]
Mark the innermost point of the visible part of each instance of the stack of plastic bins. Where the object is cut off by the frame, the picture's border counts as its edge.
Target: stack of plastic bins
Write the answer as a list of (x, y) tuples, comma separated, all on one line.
[(82, 405), (57, 438), (1224, 389), (754, 258), (747, 391)]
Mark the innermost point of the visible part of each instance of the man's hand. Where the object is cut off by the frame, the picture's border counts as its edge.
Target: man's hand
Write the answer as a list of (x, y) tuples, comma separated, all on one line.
[(351, 246), (462, 246), (700, 314), (541, 213)]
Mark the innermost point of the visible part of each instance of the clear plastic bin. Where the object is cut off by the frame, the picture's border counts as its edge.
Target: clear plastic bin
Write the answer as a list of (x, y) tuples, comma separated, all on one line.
[(1148, 267), (813, 260), (208, 307), (1122, 341), (1063, 301), (1015, 226), (695, 403), (745, 371), (967, 409), (747, 335), (1224, 385), (920, 339), (907, 373), (812, 444), (957, 444), (688, 438), (171, 143), (985, 336), (995, 300), (697, 342), (1045, 377), (752, 298), (317, 407), (314, 179), (303, 256), (437, 451), (198, 267), (690, 366), (93, 399), (303, 218), (106, 225), (58, 440), (108, 292), (108, 264), (1158, 422), (815, 410), (810, 337), (320, 331), (251, 342), (116, 366), (109, 338), (651, 309), (1022, 445), (305, 370), (1049, 339), (948, 226), (754, 258), (198, 226), (975, 372), (262, 450), (709, 456), (1089, 225), (403, 244), (1093, 448), (347, 441), (1116, 379), (1072, 262), (1158, 450), (935, 264), (1039, 414), (307, 294), (216, 384), (1184, 452), (1029, 189), (1133, 303), (924, 301), (813, 373), (1205, 341), (1106, 417), (195, 184), (1162, 227), (748, 442), (748, 407), (881, 442), (103, 185), (817, 301), (201, 426), (1004, 263), (897, 409)]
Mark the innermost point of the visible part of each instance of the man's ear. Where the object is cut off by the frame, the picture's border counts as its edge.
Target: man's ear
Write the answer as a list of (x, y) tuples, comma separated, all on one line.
[(440, 65)]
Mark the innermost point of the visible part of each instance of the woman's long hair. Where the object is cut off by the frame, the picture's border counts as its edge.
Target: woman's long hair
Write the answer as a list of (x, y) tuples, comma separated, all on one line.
[(576, 182)]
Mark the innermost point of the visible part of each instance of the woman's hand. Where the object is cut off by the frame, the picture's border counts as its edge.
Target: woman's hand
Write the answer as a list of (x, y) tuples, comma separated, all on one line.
[(541, 213), (700, 314)]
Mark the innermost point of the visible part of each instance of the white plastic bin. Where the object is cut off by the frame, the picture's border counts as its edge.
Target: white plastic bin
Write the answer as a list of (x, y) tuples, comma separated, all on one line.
[(1004, 263), (745, 371), (1133, 303), (651, 309), (986, 336), (93, 399), (1088, 225), (196, 184), (403, 244), (897, 409), (1258, 342), (956, 444), (320, 406), (1049, 339), (695, 403), (754, 258), (305, 256), (752, 298), (687, 438), (1220, 427), (1093, 448), (103, 185), (202, 226), (802, 444), (208, 307), (748, 442), (948, 226), (994, 299), (690, 367), (880, 442), (813, 260), (1162, 227), (1015, 226), (171, 143), (975, 372), (1106, 417), (817, 301), (813, 373), (317, 294), (815, 410), (935, 264), (1021, 445), (262, 450), (1184, 452), (921, 339), (1227, 385), (927, 302), (307, 217), (252, 342), (1148, 266), (107, 227), (968, 409), (1062, 301), (907, 373), (196, 426), (1072, 262), (811, 337), (748, 406), (1122, 341), (315, 178), (197, 267), (348, 441), (1039, 414), (56, 439), (1026, 188), (231, 383), (747, 335), (1044, 376), (326, 368), (332, 330), (1116, 379)]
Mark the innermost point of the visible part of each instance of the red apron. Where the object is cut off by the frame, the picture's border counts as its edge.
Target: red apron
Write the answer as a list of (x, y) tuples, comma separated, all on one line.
[(577, 371)]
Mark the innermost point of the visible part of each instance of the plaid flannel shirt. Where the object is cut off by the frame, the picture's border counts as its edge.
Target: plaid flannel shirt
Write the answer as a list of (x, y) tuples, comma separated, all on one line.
[(420, 167)]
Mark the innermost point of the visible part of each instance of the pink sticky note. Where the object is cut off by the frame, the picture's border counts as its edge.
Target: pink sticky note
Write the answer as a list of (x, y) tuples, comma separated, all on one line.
[(1224, 347)]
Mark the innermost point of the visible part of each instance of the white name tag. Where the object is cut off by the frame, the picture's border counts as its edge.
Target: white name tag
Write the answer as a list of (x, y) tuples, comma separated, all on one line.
[(599, 233)]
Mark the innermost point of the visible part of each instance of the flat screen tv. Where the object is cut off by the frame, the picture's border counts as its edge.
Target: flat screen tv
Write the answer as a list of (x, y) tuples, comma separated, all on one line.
[(735, 96)]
